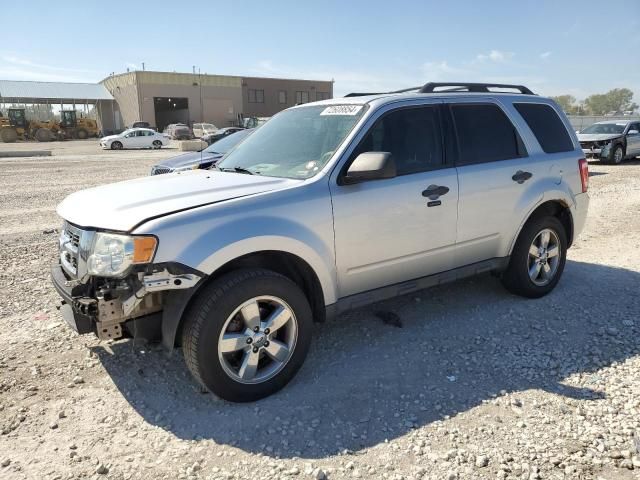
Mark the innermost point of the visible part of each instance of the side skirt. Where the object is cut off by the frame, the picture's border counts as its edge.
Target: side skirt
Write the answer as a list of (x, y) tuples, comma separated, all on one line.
[(391, 291)]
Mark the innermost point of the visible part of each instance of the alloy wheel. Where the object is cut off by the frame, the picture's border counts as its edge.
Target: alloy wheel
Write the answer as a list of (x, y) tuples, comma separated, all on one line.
[(258, 339), (544, 257), (617, 155)]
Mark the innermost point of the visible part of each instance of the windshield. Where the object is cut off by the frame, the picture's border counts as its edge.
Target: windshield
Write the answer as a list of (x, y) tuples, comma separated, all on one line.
[(209, 126), (227, 143), (128, 130), (605, 128), (296, 143)]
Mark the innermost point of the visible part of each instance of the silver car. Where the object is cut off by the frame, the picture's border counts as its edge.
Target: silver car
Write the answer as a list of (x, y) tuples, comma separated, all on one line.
[(327, 207), (611, 141)]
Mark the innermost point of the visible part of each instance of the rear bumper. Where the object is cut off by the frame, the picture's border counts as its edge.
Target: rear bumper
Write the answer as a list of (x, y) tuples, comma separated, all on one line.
[(579, 213)]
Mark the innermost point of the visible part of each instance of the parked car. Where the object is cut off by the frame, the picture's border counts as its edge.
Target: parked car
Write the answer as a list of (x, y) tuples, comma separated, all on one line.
[(135, 138), (254, 122), (202, 159), (141, 125), (178, 131), (221, 133), (201, 129), (611, 141), (327, 207)]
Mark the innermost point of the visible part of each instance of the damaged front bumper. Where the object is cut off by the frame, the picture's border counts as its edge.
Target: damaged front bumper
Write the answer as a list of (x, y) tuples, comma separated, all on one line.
[(133, 306)]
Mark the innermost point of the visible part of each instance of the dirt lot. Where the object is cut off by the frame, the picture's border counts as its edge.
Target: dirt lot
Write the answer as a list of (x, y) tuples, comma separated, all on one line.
[(478, 384)]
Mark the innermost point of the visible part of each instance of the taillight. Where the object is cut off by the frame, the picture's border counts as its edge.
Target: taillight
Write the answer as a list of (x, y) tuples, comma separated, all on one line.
[(584, 174)]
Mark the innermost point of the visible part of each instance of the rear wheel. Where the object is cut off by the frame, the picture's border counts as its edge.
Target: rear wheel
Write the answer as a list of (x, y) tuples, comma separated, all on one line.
[(8, 135), (247, 334), (44, 135), (538, 258), (116, 145), (157, 144), (82, 134)]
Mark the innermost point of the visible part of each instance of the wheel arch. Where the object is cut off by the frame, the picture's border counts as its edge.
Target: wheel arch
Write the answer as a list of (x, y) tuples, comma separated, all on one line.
[(558, 208), (287, 264)]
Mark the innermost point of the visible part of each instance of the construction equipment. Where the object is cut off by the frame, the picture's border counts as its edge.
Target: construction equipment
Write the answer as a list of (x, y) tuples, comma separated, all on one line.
[(15, 126), (71, 126)]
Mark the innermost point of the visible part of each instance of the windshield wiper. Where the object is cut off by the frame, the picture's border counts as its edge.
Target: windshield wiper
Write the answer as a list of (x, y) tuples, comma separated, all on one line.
[(236, 170)]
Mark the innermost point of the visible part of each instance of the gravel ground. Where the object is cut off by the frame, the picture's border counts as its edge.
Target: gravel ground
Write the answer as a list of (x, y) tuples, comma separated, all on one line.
[(477, 384)]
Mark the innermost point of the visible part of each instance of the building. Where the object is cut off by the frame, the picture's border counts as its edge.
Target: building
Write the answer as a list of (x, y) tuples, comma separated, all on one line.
[(161, 98), (44, 100)]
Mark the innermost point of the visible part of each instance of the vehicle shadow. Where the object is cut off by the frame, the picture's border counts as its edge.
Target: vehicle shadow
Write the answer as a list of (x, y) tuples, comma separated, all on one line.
[(365, 381)]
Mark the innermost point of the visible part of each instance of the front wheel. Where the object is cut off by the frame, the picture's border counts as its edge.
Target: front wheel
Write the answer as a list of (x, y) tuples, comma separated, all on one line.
[(617, 155), (538, 258), (259, 324), (116, 146), (157, 144)]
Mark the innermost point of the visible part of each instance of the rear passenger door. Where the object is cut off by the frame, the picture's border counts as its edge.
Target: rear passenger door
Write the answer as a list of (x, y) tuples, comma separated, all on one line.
[(494, 175)]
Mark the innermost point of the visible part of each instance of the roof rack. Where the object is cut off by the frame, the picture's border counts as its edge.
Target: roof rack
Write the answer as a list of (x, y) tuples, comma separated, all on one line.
[(472, 87), (455, 87)]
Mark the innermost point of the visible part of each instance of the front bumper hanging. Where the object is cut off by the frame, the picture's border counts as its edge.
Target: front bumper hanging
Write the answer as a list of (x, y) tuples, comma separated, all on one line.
[(104, 311)]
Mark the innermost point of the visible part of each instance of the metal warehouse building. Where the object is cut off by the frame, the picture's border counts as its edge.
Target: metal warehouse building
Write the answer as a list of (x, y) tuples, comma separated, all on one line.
[(161, 98), (44, 100)]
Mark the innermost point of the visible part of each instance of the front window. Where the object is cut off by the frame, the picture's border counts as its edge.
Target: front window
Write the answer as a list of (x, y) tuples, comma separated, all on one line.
[(606, 128), (296, 143), (227, 143)]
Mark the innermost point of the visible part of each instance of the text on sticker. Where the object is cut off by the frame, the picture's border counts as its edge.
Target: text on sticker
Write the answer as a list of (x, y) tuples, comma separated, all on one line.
[(342, 110)]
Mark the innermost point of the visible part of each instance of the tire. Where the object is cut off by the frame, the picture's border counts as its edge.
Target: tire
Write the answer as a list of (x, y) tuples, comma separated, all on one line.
[(617, 155), (82, 134), (157, 144), (8, 135), (218, 309), (43, 135), (517, 278), (116, 145)]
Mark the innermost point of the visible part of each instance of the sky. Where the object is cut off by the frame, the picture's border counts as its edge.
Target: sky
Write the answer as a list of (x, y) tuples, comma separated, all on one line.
[(576, 47)]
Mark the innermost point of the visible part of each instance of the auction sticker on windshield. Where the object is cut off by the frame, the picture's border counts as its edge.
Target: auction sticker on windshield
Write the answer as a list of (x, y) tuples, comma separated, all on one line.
[(342, 110)]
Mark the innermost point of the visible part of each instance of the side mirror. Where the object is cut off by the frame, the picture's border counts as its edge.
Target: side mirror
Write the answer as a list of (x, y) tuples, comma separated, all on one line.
[(371, 166), (632, 132)]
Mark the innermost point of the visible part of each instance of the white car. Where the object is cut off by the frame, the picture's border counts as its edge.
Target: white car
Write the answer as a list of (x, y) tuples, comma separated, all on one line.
[(135, 138), (202, 129)]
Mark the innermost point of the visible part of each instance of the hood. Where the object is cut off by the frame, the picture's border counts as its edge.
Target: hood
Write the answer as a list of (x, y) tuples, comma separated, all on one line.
[(597, 137), (189, 159), (124, 205), (110, 137)]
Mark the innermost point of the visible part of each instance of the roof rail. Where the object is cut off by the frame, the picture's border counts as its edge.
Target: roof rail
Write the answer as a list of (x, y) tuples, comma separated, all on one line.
[(471, 87), (455, 87)]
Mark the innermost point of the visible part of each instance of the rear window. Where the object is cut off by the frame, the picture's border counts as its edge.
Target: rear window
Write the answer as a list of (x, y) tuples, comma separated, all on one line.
[(485, 134), (545, 124)]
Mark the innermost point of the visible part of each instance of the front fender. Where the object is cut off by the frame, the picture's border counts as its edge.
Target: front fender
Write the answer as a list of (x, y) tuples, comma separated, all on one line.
[(226, 241)]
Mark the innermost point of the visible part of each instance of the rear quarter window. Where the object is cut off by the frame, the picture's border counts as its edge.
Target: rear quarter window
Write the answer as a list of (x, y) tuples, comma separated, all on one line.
[(546, 125)]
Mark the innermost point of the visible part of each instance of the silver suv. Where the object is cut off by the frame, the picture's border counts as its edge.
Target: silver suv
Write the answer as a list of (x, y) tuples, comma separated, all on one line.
[(327, 207)]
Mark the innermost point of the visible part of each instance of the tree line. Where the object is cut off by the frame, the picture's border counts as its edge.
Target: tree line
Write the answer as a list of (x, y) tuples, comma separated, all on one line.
[(618, 100)]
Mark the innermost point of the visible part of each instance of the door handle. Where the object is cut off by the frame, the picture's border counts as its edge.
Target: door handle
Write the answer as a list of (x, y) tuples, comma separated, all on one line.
[(521, 176), (433, 192)]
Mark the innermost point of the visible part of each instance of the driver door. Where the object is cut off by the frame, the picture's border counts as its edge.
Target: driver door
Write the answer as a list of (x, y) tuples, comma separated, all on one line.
[(633, 140), (389, 231)]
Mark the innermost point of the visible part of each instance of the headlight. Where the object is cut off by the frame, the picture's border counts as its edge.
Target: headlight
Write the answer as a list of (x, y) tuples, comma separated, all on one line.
[(113, 254)]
